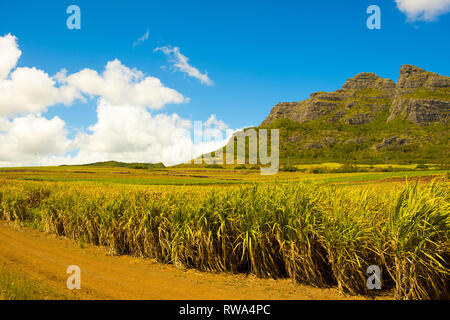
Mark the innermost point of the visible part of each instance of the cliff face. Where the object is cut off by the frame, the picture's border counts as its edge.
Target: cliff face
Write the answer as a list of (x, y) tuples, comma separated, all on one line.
[(419, 96), (370, 120)]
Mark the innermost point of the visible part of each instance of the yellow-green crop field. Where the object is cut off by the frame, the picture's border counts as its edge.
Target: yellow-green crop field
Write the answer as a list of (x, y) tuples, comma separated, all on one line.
[(318, 229), (190, 175)]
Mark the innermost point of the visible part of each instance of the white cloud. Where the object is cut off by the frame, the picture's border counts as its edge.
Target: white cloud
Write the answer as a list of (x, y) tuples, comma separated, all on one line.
[(26, 90), (214, 135), (427, 10), (142, 39), (122, 133), (180, 62), (9, 54), (125, 129), (31, 139), (129, 134), (213, 122), (121, 85)]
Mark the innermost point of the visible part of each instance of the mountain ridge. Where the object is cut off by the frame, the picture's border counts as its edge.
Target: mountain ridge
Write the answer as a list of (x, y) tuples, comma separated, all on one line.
[(419, 96), (369, 120)]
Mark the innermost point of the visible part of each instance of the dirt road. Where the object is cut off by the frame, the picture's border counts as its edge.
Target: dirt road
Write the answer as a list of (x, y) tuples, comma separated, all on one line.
[(45, 258)]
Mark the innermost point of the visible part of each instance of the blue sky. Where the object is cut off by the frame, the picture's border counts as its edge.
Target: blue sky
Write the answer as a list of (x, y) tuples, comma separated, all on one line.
[(257, 53)]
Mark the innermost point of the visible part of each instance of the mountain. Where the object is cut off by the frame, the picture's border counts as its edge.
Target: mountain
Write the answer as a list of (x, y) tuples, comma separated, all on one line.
[(133, 165), (419, 96), (369, 120)]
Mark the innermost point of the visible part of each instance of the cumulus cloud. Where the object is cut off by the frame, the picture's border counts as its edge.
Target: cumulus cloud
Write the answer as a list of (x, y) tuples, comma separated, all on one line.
[(31, 139), (9, 54), (26, 90), (426, 10), (122, 133), (181, 63), (121, 85), (125, 129), (29, 90), (211, 135), (217, 124), (142, 39), (130, 134)]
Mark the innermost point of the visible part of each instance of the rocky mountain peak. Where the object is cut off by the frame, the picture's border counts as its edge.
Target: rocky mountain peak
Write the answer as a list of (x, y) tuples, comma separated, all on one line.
[(369, 119), (419, 96), (411, 77), (362, 81), (408, 70)]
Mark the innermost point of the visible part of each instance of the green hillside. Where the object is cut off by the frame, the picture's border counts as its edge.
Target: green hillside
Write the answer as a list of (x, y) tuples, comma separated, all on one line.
[(369, 120)]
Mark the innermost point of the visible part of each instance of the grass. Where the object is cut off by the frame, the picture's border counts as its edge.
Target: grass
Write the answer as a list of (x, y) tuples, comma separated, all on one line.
[(421, 264), (296, 139), (200, 176), (15, 286), (372, 176), (315, 233), (136, 181), (422, 93)]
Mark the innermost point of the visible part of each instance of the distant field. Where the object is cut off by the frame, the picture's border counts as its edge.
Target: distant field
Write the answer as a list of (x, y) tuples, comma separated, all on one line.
[(185, 176), (320, 229)]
